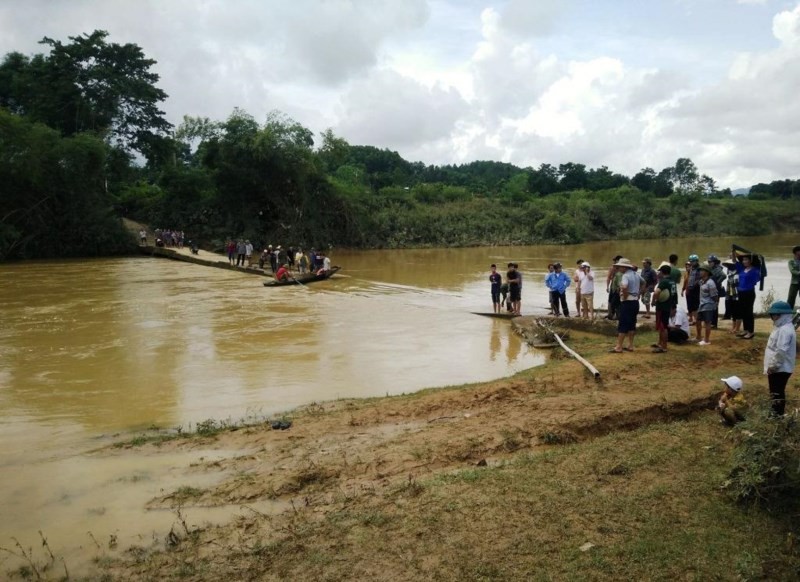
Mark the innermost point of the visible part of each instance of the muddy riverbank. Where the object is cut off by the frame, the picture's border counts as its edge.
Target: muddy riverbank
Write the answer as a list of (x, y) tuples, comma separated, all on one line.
[(368, 453)]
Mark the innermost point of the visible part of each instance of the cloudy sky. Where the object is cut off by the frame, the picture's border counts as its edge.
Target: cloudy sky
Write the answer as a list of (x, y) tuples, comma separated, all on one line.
[(622, 83)]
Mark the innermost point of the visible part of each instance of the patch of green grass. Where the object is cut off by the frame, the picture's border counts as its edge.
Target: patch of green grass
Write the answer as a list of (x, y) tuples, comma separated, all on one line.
[(206, 428), (375, 519), (648, 502)]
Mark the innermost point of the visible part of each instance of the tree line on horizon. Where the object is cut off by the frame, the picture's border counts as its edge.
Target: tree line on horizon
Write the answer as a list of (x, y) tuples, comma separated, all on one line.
[(83, 143)]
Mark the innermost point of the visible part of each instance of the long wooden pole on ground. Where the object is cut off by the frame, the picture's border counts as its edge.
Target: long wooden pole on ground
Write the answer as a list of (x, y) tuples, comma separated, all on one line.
[(578, 357)]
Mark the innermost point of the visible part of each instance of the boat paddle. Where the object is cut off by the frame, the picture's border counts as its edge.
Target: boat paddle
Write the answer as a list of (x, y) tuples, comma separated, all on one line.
[(296, 281)]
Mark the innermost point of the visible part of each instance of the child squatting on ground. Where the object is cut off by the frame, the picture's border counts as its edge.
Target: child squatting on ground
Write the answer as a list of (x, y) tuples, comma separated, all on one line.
[(780, 354), (732, 405)]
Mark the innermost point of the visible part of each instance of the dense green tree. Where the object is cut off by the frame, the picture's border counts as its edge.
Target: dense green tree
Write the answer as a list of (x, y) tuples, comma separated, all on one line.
[(333, 152), (88, 84), (381, 167), (54, 200), (573, 176), (707, 185), (516, 188), (544, 181), (782, 189), (645, 180), (662, 186), (603, 179), (685, 176)]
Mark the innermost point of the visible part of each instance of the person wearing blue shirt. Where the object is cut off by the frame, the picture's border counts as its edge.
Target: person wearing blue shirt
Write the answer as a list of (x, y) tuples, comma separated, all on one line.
[(749, 277), (629, 306), (560, 282)]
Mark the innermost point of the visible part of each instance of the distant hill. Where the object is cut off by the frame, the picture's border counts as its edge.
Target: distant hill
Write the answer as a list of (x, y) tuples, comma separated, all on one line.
[(741, 192)]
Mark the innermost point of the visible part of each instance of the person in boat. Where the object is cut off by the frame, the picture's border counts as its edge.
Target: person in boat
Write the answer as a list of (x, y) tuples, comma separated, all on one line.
[(263, 258), (326, 265), (283, 273), (273, 259), (513, 280), (301, 261), (495, 279)]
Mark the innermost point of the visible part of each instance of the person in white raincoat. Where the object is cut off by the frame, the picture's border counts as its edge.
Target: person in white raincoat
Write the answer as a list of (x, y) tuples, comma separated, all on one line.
[(780, 354)]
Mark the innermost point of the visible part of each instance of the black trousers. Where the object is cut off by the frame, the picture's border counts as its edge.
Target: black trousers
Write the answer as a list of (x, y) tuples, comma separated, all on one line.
[(777, 391), (793, 294), (746, 301), (555, 298), (613, 304), (677, 336), (715, 317)]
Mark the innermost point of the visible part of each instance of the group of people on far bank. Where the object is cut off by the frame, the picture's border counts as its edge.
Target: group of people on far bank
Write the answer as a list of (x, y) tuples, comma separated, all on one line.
[(282, 261)]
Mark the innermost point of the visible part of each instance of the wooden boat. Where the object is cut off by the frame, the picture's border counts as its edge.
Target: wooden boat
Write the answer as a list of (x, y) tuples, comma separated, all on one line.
[(302, 279), (497, 315)]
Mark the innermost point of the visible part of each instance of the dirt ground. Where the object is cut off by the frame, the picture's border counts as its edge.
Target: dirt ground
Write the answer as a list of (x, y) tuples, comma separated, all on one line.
[(340, 453)]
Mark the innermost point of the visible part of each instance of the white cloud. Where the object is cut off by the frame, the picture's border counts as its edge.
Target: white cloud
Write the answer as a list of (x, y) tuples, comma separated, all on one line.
[(388, 110), (786, 27), (445, 81)]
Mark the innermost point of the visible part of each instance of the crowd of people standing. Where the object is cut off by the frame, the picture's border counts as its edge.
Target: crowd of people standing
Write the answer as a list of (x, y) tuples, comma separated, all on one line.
[(278, 259), (731, 281)]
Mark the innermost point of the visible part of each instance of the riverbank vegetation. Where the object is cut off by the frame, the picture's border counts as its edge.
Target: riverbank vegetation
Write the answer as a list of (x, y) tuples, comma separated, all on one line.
[(84, 144)]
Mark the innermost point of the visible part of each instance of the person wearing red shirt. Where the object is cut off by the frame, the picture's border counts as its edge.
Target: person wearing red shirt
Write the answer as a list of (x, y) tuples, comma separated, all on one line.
[(283, 273)]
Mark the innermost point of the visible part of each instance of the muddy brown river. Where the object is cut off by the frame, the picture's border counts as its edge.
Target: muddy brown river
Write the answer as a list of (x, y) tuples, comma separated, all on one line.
[(91, 351)]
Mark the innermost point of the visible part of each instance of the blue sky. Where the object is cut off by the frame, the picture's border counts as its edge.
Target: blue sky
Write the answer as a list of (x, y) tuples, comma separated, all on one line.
[(619, 83)]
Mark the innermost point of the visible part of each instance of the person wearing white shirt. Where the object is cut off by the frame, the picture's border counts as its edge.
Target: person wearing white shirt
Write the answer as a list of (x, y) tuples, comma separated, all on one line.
[(326, 265), (586, 291), (678, 330), (576, 278)]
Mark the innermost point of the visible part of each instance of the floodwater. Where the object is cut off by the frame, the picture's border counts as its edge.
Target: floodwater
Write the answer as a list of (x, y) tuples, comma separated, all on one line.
[(93, 350)]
